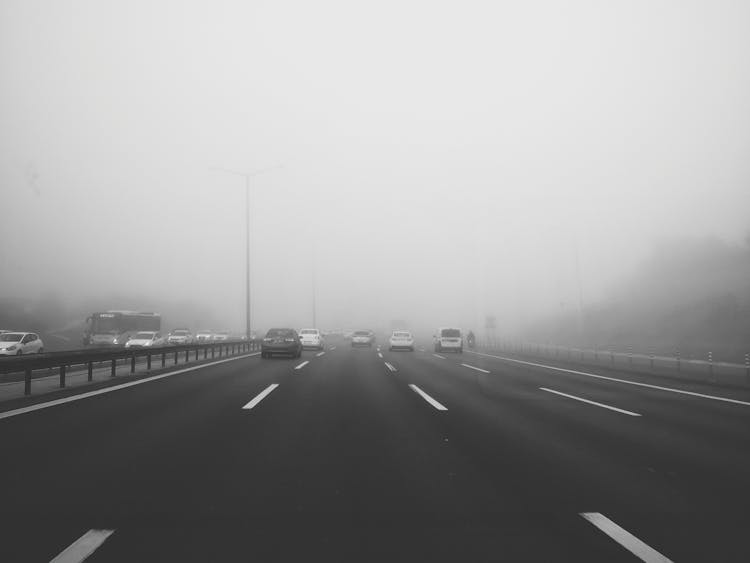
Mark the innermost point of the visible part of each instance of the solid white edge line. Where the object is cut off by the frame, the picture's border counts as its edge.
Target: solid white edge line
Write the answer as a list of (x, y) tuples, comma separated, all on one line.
[(390, 366), (476, 368), (319, 354), (303, 364), (627, 540), (332, 348), (439, 356), (427, 398), (48, 404), (650, 386), (623, 411), (84, 546), (260, 396)]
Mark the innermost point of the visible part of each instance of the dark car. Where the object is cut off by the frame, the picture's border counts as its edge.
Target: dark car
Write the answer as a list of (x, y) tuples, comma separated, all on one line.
[(281, 341)]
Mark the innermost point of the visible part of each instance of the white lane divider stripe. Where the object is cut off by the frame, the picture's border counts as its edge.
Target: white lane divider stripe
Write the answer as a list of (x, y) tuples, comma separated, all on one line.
[(48, 404), (427, 398), (650, 386), (303, 364), (319, 354), (84, 546), (332, 348), (390, 366), (475, 368), (439, 356), (260, 396), (380, 355), (627, 540), (623, 411)]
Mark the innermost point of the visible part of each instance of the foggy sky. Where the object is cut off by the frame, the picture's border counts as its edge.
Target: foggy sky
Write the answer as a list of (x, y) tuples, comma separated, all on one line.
[(441, 160)]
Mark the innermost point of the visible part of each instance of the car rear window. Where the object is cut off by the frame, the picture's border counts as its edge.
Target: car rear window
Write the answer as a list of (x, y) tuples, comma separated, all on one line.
[(277, 332), (361, 333), (309, 331), (401, 334), (144, 335), (450, 333)]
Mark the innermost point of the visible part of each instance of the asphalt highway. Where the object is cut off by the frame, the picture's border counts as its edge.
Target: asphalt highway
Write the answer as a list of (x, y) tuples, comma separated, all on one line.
[(411, 456)]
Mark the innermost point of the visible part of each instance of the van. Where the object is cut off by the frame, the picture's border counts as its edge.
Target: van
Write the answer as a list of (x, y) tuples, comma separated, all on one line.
[(449, 338)]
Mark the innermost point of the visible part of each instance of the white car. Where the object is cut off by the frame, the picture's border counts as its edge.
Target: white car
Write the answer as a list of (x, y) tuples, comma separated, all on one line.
[(145, 339), (362, 338), (449, 339), (401, 339), (180, 336), (204, 336), (311, 338), (19, 343), (222, 335)]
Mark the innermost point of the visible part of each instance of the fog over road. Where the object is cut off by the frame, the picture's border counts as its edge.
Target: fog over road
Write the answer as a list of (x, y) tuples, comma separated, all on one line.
[(337, 456)]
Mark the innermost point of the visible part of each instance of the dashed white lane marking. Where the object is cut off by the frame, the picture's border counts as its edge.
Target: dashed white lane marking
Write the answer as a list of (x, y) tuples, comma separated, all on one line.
[(260, 396), (84, 546), (332, 348), (380, 355), (427, 398), (390, 366), (48, 404), (319, 354), (638, 384), (421, 349), (623, 411), (627, 540), (475, 368), (303, 364), (439, 356)]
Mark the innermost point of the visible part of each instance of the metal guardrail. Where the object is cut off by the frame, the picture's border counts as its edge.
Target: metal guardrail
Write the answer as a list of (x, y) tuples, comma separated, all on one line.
[(63, 361)]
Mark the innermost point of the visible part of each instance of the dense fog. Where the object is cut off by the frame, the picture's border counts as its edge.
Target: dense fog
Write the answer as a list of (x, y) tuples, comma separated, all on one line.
[(577, 170)]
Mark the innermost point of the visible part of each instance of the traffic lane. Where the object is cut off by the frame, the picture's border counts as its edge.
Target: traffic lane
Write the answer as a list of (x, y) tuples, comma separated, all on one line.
[(116, 436), (689, 439), (709, 434), (351, 464), (626, 468), (562, 455), (690, 386), (94, 462)]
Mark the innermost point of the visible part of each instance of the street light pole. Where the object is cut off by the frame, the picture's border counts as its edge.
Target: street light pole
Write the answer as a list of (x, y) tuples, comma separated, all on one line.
[(247, 176)]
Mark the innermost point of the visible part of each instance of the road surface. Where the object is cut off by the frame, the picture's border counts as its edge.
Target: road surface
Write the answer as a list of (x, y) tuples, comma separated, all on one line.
[(370, 455)]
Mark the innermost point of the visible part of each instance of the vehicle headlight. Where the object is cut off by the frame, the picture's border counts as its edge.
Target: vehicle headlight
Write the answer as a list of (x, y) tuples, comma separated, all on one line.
[(115, 341), (149, 343), (12, 347), (289, 340)]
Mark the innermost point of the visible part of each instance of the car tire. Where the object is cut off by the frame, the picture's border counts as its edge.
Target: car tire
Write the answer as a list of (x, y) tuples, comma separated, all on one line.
[(19, 353), (460, 350), (40, 351), (411, 349)]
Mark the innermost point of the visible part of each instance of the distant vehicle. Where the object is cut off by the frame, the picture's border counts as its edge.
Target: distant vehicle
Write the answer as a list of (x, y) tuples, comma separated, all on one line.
[(362, 338), (145, 339), (20, 343), (204, 336), (311, 338), (401, 340), (222, 335), (180, 336), (115, 328), (281, 341), (449, 339), (4, 331)]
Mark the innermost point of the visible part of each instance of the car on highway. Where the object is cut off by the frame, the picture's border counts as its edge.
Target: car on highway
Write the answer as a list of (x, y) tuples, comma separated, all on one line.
[(281, 341), (180, 336), (19, 343), (145, 339), (401, 340), (204, 336), (362, 338), (449, 339), (221, 336), (311, 338)]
